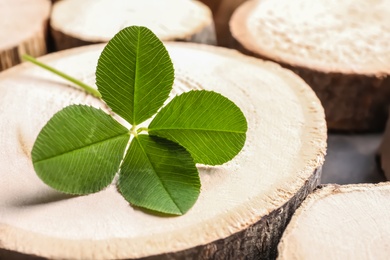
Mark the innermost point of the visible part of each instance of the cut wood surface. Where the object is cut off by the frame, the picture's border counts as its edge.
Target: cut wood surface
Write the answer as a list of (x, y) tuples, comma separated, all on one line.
[(339, 48), (23, 30), (340, 222), (244, 204), (75, 23)]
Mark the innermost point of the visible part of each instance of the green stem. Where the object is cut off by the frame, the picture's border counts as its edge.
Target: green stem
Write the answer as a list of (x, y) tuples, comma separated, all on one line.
[(88, 89), (134, 131), (142, 129)]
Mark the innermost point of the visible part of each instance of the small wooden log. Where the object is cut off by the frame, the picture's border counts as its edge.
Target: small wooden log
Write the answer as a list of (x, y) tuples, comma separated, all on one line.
[(76, 23), (244, 204), (23, 26), (339, 48), (222, 11), (340, 222)]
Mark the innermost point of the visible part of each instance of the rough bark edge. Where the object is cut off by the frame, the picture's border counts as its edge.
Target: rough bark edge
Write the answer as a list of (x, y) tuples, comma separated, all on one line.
[(7, 254), (258, 241), (222, 11), (212, 4), (34, 46), (63, 41), (323, 191), (352, 102)]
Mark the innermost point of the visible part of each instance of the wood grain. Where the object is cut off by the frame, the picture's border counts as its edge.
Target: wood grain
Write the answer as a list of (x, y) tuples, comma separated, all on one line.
[(340, 50), (74, 23), (23, 26), (340, 222)]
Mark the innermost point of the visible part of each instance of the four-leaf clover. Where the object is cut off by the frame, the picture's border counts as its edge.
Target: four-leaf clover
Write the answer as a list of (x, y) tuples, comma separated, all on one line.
[(81, 148)]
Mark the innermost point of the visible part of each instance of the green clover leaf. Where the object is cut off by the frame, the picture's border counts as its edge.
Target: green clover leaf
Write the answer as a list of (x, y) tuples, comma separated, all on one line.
[(160, 175), (81, 148), (135, 74), (211, 127)]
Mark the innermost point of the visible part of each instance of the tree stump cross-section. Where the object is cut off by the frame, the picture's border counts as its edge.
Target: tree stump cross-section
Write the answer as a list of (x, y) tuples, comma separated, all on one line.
[(244, 204)]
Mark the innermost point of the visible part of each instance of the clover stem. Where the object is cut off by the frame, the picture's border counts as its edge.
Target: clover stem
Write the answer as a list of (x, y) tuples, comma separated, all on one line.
[(134, 131), (142, 129), (88, 89)]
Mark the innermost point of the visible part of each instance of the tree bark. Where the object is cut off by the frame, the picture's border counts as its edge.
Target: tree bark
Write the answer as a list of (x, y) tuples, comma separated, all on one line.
[(98, 21), (24, 26), (318, 41), (222, 11), (244, 204), (340, 222)]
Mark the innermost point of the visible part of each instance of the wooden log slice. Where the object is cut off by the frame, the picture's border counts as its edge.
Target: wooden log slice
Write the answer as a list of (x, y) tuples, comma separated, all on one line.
[(23, 30), (340, 222), (339, 48), (222, 11), (244, 204), (76, 23)]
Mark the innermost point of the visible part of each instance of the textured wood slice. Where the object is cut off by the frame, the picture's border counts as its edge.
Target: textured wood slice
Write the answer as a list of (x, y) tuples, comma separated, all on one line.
[(340, 222), (339, 48), (23, 26), (244, 204), (76, 23)]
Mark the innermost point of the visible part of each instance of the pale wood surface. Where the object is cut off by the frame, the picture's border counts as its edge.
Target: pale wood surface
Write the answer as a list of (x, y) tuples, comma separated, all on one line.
[(339, 48), (340, 222), (75, 23), (244, 204), (23, 26)]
